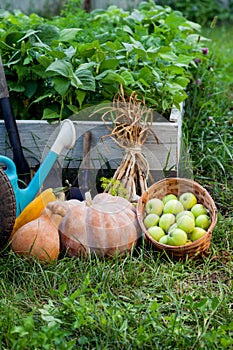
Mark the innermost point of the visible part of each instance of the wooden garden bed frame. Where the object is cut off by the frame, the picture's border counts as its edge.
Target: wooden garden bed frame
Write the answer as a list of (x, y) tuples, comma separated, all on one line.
[(37, 136)]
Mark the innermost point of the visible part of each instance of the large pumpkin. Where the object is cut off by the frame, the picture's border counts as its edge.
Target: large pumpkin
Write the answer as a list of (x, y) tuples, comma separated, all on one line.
[(106, 225)]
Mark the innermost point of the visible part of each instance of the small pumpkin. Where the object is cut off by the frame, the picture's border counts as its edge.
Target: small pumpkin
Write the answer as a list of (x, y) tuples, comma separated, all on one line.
[(39, 238), (105, 225), (35, 208)]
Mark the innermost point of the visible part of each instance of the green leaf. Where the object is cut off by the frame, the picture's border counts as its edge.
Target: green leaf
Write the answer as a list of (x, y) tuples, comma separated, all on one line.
[(74, 109), (58, 54), (182, 81), (165, 105), (48, 33), (15, 86), (40, 71), (110, 77), (61, 85), (75, 81), (174, 69), (68, 34), (184, 60), (86, 65), (194, 25), (50, 114), (128, 47), (111, 63), (88, 50), (167, 54), (174, 20), (179, 97), (86, 78), (149, 74), (22, 71), (80, 97), (154, 305), (128, 78), (215, 303), (172, 87), (193, 38), (128, 30), (44, 60), (30, 88), (60, 67), (111, 46), (141, 80), (62, 288), (200, 304)]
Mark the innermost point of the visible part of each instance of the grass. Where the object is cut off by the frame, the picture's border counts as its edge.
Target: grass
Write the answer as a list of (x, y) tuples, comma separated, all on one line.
[(208, 124), (143, 300)]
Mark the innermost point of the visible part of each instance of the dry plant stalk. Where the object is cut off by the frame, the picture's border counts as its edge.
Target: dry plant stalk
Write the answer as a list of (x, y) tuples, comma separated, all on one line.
[(130, 128)]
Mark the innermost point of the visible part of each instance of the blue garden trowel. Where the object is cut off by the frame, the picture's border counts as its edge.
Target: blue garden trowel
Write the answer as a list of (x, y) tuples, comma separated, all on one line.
[(65, 139)]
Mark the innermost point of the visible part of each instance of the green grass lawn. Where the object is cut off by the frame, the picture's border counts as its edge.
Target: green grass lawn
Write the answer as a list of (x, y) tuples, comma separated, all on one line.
[(143, 300), (221, 44)]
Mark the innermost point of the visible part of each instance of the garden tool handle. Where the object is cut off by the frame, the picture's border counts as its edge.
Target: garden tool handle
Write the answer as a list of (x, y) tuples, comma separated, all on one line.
[(22, 166), (4, 93)]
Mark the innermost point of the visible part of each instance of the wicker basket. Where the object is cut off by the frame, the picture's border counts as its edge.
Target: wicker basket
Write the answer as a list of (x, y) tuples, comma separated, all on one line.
[(7, 208), (178, 186)]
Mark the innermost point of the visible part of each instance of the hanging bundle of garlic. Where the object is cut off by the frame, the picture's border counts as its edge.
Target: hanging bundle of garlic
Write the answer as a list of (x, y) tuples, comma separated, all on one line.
[(130, 128)]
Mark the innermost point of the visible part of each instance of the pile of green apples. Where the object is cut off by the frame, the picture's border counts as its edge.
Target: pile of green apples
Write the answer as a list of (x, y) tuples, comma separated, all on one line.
[(176, 220)]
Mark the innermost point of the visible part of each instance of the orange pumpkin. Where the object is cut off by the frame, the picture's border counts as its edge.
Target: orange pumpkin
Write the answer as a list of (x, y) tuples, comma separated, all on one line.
[(106, 225), (39, 238)]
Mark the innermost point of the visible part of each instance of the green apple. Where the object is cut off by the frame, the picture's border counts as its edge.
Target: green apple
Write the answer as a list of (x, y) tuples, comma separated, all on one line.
[(197, 233), (173, 206), (188, 199), (198, 209), (156, 232), (186, 223), (177, 237), (184, 213), (163, 239), (151, 220), (168, 197), (155, 206), (166, 220), (203, 221), (172, 227)]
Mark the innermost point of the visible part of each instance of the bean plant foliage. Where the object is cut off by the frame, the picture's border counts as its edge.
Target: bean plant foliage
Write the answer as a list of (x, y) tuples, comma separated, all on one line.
[(56, 67)]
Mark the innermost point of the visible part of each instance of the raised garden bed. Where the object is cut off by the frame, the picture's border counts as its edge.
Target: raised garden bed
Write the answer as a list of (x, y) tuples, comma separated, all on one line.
[(38, 136)]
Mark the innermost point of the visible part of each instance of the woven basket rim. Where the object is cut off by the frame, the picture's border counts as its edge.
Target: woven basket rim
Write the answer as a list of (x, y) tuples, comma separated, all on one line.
[(187, 247), (8, 208)]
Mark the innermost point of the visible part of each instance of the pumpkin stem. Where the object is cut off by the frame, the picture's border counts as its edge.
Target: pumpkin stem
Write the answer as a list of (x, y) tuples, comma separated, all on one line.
[(58, 190), (88, 198)]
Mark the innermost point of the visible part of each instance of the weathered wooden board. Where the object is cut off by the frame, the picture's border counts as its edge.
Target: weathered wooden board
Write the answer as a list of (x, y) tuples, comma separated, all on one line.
[(38, 136)]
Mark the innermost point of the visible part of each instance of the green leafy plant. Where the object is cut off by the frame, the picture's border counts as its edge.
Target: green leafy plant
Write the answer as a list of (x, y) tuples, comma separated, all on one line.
[(56, 67), (114, 187)]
